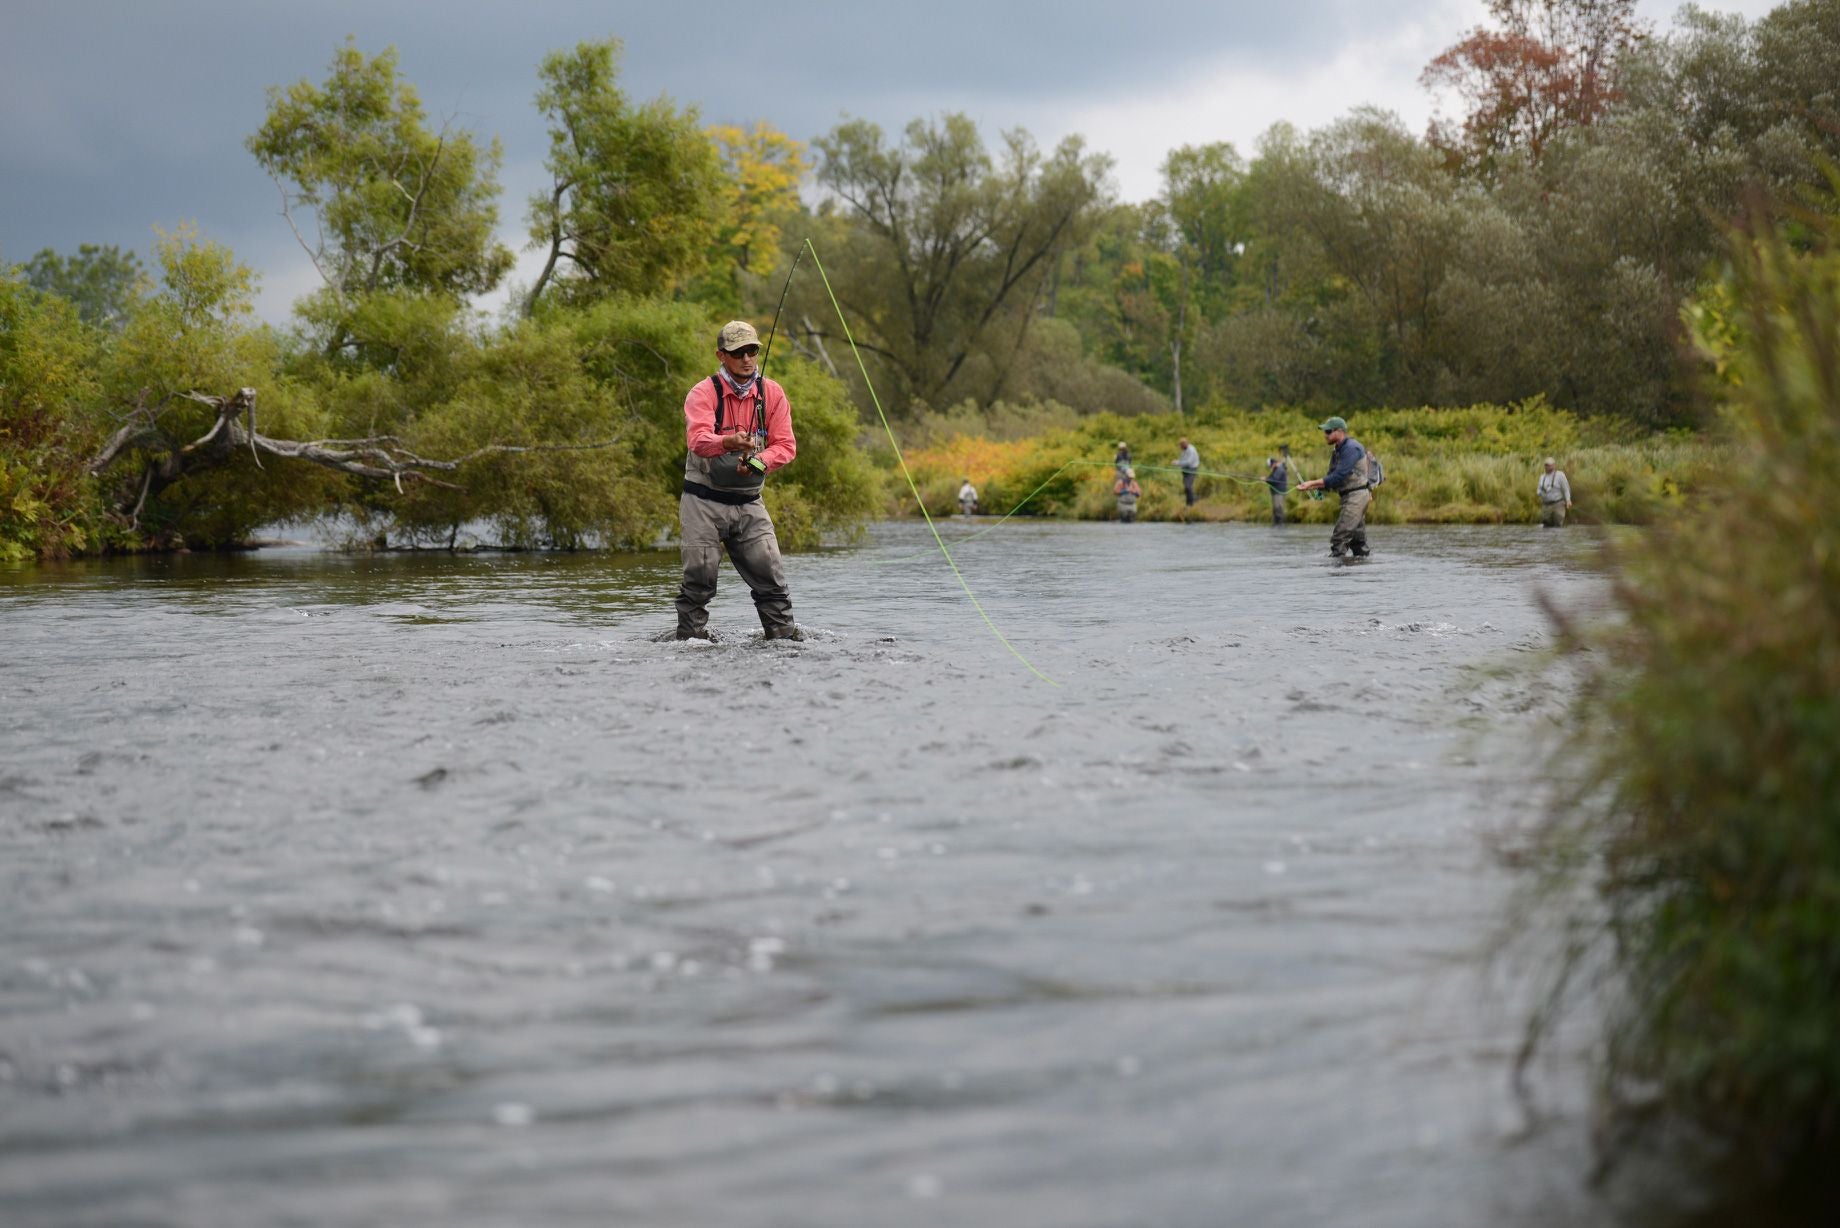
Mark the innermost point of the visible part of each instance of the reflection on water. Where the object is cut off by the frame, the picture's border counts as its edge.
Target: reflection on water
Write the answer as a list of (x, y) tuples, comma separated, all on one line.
[(430, 890)]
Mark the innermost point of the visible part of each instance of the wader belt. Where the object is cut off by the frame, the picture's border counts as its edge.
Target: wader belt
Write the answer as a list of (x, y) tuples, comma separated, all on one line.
[(734, 498)]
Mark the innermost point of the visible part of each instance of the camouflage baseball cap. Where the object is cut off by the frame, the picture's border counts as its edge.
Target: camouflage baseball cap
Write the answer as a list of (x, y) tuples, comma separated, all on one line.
[(1334, 424), (735, 334)]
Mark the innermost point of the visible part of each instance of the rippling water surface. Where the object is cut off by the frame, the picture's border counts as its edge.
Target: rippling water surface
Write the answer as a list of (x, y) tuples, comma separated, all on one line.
[(430, 890)]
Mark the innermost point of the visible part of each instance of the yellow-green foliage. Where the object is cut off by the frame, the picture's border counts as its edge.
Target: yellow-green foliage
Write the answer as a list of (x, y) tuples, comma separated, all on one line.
[(830, 489), (1707, 814), (196, 334), (1001, 420), (529, 387), (568, 381), (48, 505), (1443, 466), (595, 393)]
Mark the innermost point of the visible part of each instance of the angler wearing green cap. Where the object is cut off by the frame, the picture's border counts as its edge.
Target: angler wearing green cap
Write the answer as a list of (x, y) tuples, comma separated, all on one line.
[(1348, 477), (738, 425)]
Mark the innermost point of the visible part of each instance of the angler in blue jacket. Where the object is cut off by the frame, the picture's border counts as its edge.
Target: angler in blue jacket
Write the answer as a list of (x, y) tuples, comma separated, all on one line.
[(1348, 477)]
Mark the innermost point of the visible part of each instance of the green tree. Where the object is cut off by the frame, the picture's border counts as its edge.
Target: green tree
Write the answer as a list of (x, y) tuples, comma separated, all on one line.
[(947, 250), (100, 281), (1200, 223), (637, 194), (1624, 216), (399, 207), (613, 372), (49, 426), (167, 476), (535, 384), (1104, 287), (1369, 208)]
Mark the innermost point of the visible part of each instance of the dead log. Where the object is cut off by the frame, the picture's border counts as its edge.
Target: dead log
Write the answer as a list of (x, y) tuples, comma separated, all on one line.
[(377, 457)]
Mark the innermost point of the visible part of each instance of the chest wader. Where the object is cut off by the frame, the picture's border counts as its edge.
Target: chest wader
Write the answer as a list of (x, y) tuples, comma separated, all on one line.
[(1350, 533), (1552, 502), (721, 507)]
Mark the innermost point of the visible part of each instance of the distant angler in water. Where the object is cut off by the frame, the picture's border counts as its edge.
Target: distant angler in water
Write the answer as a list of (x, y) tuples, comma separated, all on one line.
[(1555, 495), (1128, 492)]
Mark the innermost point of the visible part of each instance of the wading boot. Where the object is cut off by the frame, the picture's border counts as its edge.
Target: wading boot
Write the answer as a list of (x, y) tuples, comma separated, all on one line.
[(788, 632)]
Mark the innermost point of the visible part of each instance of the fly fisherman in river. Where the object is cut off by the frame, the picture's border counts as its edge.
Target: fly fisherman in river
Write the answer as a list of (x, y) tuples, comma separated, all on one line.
[(739, 428), (1555, 495), (1277, 475), (1348, 477), (1189, 462), (1128, 492)]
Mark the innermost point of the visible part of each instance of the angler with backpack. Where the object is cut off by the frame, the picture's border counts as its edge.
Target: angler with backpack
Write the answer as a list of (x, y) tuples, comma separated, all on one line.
[(1351, 475)]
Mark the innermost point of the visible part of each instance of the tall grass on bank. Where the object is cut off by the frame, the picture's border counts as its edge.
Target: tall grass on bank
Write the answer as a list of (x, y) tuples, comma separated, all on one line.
[(1444, 466), (1703, 803)]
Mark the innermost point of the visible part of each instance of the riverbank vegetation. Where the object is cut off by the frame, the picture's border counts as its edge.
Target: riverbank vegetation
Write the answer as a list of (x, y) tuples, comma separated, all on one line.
[(147, 409), (1537, 247), (1443, 466), (1705, 824)]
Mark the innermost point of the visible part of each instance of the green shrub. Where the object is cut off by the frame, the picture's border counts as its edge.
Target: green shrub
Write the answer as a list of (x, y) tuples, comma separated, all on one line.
[(1706, 814), (49, 506)]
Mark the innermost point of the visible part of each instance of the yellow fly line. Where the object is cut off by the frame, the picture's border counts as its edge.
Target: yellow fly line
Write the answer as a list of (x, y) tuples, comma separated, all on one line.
[(921, 503)]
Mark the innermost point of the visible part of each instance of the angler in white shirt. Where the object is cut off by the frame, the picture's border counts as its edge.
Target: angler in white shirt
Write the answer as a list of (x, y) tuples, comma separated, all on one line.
[(1555, 495)]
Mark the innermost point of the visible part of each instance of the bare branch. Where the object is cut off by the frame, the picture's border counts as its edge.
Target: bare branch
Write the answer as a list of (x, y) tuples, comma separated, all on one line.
[(136, 430), (288, 214), (377, 457), (817, 340), (415, 205), (555, 245)]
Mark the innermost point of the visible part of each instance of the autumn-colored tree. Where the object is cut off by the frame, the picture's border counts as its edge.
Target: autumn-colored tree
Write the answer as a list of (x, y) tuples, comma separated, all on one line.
[(1545, 66), (765, 168)]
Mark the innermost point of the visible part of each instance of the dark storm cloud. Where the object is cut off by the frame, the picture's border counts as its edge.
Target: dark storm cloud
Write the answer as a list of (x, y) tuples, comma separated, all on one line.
[(118, 116)]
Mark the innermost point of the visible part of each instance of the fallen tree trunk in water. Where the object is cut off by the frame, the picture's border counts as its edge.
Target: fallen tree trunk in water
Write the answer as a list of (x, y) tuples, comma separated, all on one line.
[(378, 457)]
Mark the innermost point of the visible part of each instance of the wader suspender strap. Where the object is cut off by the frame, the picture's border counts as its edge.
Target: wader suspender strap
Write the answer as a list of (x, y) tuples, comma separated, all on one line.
[(760, 403)]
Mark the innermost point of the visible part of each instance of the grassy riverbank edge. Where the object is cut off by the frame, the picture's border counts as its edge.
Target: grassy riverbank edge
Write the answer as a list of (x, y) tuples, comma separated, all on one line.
[(1477, 465)]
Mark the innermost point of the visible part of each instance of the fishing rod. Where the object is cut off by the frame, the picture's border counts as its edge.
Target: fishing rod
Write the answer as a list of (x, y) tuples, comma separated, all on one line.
[(766, 351)]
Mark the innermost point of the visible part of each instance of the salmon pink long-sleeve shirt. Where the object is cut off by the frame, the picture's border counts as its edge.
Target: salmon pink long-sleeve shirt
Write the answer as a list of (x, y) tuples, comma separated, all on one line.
[(738, 415)]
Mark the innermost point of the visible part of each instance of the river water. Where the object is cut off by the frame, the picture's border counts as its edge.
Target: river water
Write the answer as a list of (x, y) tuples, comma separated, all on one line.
[(428, 890)]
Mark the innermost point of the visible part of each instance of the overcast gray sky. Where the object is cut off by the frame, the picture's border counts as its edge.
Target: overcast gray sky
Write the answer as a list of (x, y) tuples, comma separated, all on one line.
[(119, 115)]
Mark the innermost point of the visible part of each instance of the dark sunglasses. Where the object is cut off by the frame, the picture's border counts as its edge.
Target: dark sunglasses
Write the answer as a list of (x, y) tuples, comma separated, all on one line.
[(746, 351)]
